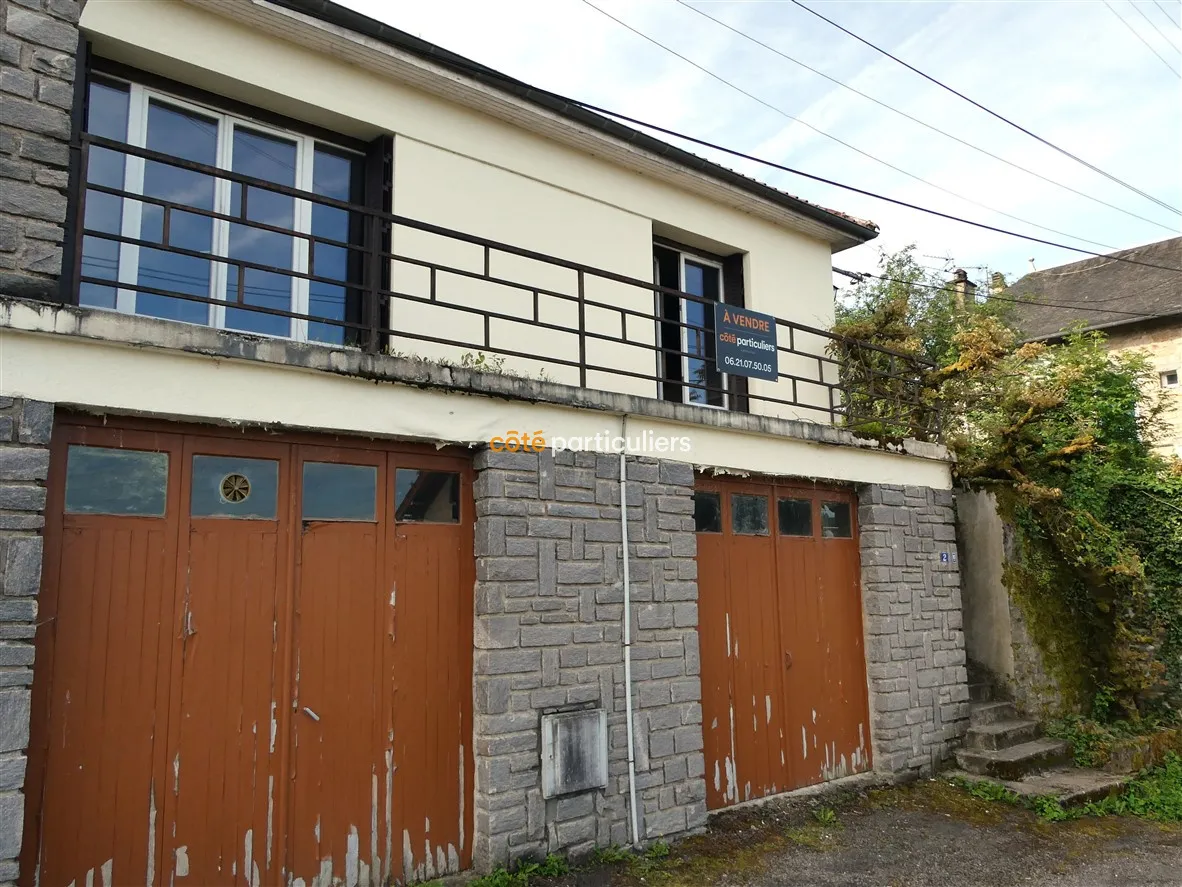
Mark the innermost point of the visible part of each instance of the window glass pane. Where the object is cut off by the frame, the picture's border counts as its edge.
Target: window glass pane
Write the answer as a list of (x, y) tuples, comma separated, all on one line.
[(749, 515), (340, 492), (100, 480), (107, 117), (835, 520), (179, 133), (272, 159), (230, 486), (338, 176), (796, 517), (707, 512), (427, 496), (701, 369)]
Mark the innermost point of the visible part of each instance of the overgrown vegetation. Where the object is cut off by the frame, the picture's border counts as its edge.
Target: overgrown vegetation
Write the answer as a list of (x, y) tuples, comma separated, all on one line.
[(1064, 436)]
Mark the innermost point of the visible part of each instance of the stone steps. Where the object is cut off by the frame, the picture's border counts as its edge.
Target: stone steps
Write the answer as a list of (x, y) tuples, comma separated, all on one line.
[(1000, 734), (1071, 786), (1016, 761), (991, 712), (980, 691)]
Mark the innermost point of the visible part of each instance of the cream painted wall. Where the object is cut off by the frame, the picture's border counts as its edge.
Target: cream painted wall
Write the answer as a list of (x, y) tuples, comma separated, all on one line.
[(1164, 349), (171, 383), (470, 171)]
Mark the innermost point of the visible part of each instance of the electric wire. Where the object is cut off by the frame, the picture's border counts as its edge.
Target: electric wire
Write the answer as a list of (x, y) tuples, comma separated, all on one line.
[(856, 190), (1167, 15), (487, 73), (1136, 34), (859, 276), (1153, 24), (930, 126), (529, 91), (776, 109), (991, 112)]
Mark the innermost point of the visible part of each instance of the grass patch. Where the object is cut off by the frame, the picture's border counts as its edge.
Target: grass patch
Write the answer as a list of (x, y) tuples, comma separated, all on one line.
[(814, 836), (613, 855), (553, 866), (825, 815), (1155, 794)]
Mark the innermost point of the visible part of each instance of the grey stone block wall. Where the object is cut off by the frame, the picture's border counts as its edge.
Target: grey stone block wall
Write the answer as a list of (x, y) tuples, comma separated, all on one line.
[(38, 43), (549, 602), (915, 648), (25, 428)]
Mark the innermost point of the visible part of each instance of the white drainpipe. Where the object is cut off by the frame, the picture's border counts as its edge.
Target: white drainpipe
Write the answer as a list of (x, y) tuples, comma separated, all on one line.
[(628, 633)]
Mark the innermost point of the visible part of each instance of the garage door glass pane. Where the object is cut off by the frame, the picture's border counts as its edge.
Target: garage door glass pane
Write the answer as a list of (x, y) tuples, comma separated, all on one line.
[(427, 496), (835, 520), (749, 515), (796, 517), (340, 492), (230, 486), (707, 513), (101, 480)]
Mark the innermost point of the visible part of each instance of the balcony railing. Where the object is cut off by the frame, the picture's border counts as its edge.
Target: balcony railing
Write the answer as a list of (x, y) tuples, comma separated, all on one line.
[(392, 284)]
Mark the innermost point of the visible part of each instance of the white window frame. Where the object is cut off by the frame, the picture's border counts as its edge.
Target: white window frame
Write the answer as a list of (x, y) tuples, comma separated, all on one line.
[(686, 388), (139, 99), (1165, 383)]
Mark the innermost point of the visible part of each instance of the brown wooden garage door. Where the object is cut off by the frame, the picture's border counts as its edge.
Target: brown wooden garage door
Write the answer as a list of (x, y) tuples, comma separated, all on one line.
[(254, 662), (780, 628)]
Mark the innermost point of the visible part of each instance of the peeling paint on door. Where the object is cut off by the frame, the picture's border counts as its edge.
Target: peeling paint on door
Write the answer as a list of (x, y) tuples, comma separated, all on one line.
[(292, 700), (792, 605)]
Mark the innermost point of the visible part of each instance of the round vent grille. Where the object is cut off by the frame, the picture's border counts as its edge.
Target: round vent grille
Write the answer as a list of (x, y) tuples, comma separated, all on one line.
[(235, 488)]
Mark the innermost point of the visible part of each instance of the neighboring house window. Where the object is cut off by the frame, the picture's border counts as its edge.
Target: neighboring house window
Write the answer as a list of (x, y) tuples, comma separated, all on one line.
[(143, 276), (1169, 379)]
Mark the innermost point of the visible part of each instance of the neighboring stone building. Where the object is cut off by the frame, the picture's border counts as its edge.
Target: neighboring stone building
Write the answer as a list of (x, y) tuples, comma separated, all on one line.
[(278, 603), (1137, 306)]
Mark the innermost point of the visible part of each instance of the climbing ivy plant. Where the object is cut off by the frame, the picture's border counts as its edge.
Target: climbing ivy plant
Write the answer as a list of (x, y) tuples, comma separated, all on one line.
[(1064, 435)]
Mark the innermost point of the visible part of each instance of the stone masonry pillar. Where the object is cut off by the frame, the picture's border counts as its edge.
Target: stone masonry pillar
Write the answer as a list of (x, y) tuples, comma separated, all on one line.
[(549, 595), (25, 428), (915, 652), (38, 43)]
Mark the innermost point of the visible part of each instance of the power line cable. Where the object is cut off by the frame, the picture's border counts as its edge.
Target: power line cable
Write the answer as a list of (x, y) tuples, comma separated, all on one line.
[(1147, 44), (924, 123), (856, 190), (859, 277), (1166, 14), (866, 154), (1153, 24), (991, 112), (534, 93)]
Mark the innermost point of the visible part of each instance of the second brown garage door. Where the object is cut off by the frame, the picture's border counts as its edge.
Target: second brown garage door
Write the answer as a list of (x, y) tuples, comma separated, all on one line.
[(253, 665), (780, 627)]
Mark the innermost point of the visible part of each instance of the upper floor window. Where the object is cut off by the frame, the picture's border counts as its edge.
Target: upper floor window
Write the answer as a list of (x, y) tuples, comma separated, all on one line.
[(1169, 379), (689, 371), (165, 262)]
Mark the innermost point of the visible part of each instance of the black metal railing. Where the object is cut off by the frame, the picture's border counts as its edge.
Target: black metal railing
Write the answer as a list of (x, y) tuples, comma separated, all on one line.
[(377, 290)]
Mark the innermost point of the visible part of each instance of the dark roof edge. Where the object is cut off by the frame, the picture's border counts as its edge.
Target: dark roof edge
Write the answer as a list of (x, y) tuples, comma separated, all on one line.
[(1149, 320), (343, 17)]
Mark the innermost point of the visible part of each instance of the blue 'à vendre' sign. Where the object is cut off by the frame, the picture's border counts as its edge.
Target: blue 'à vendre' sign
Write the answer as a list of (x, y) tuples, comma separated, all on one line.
[(745, 342)]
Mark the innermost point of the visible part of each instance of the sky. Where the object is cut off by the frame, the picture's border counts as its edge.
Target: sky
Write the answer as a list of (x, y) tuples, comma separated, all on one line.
[(1082, 75)]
